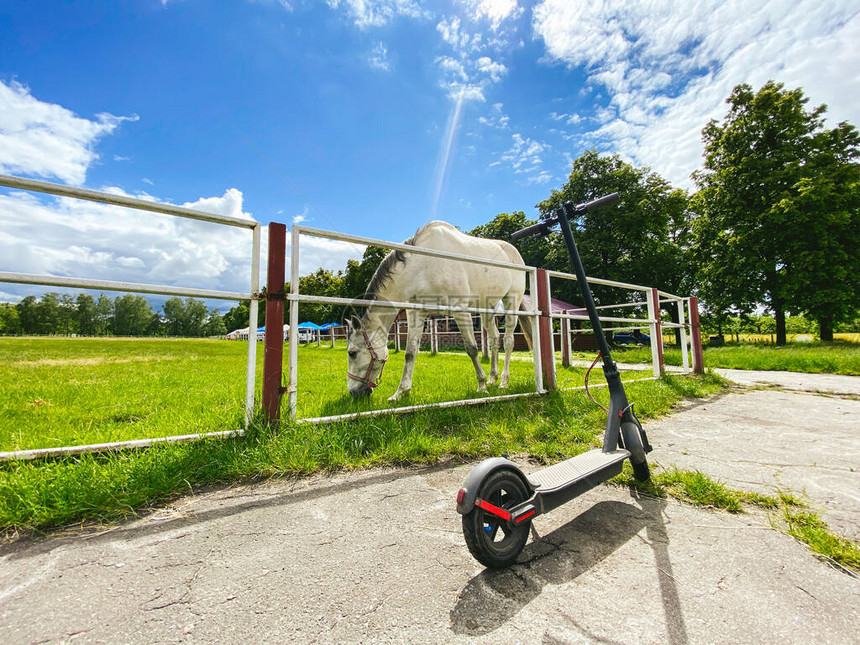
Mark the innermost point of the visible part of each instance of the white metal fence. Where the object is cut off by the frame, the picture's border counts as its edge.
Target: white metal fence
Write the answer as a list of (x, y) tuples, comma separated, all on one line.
[(652, 322), (109, 285)]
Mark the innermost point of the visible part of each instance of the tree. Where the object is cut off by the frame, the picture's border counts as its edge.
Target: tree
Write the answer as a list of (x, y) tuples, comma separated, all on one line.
[(358, 274), (67, 319), (104, 315), (28, 316), (132, 315), (48, 314), (185, 317), (196, 314), (643, 239), (823, 265), (86, 317), (9, 321), (215, 324), (174, 315), (237, 317), (322, 282), (534, 250), (778, 200)]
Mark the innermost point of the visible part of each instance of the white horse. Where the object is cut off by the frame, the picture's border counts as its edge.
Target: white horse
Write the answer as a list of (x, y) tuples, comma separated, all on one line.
[(410, 277)]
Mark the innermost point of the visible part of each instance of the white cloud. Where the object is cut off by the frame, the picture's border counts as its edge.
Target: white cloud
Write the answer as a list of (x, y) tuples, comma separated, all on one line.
[(67, 237), (496, 118), (542, 178), (569, 119), (525, 157), (379, 58), (491, 68), (497, 11), (452, 68), (452, 33), (47, 140), (670, 66), (376, 13)]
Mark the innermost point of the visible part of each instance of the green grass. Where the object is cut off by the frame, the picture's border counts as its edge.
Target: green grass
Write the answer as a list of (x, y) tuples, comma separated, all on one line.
[(60, 392), (809, 528), (818, 358), (787, 512), (57, 492)]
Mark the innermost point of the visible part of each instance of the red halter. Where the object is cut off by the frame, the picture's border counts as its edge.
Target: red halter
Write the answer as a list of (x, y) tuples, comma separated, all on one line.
[(366, 380)]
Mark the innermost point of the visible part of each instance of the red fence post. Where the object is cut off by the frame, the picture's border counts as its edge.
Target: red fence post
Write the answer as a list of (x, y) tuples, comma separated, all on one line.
[(696, 333), (274, 351), (547, 355)]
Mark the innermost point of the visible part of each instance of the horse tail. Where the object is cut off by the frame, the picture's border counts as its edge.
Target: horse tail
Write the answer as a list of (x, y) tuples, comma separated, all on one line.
[(525, 326)]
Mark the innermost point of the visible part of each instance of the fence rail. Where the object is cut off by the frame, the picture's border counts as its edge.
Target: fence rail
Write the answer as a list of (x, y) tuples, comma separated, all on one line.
[(538, 280), (72, 192)]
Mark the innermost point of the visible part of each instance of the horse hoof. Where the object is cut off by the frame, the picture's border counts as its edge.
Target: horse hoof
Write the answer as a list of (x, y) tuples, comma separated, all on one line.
[(397, 396)]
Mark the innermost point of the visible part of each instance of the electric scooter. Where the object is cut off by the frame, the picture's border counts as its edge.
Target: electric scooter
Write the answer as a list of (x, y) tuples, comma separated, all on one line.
[(498, 501)]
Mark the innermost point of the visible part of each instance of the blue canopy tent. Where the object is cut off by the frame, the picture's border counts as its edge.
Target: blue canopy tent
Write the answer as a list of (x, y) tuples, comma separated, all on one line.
[(314, 329), (330, 326)]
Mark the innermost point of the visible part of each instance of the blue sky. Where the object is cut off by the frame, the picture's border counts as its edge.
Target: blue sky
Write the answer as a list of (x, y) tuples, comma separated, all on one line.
[(384, 113)]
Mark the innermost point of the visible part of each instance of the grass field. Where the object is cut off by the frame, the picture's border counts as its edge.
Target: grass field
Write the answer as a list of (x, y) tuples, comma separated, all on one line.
[(132, 387), (78, 391), (819, 358)]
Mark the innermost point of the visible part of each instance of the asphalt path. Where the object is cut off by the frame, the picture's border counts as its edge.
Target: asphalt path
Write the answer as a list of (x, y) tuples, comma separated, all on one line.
[(378, 556)]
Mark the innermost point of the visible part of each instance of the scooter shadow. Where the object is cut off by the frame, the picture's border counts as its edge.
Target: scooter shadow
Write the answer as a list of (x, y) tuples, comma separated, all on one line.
[(493, 597)]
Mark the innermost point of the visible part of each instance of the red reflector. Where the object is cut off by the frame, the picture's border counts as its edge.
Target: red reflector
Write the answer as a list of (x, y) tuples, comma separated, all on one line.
[(460, 495), (495, 510), (525, 516)]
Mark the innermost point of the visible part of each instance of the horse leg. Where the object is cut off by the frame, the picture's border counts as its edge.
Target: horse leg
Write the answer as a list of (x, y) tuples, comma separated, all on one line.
[(489, 322), (414, 330), (510, 325), (464, 322)]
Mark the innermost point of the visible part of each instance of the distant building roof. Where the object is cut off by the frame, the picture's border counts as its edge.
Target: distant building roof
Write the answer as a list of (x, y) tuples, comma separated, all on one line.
[(558, 306)]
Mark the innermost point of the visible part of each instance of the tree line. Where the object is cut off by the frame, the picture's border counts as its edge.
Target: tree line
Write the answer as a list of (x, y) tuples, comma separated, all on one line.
[(771, 231), (125, 315)]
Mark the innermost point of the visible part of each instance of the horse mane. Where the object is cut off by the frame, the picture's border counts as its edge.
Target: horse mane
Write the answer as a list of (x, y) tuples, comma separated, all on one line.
[(386, 268)]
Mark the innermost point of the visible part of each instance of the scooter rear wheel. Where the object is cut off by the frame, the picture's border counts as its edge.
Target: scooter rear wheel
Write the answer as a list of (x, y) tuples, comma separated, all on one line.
[(493, 541)]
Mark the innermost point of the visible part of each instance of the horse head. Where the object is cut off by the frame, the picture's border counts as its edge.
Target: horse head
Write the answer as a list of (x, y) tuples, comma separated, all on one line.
[(367, 351)]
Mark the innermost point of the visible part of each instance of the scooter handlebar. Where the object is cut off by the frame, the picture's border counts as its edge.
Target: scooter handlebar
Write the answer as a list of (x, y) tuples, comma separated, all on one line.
[(543, 227), (600, 202), (540, 227)]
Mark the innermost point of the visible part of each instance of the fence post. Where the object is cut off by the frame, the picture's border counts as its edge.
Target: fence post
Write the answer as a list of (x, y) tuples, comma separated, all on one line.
[(696, 340), (565, 342), (294, 321), (274, 346), (656, 329), (547, 353), (685, 360)]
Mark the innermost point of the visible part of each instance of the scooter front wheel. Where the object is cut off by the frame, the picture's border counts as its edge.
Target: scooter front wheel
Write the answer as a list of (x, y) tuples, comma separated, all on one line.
[(493, 541), (632, 441)]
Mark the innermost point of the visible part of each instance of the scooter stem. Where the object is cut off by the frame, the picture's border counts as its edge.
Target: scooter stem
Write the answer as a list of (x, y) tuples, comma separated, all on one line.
[(617, 396)]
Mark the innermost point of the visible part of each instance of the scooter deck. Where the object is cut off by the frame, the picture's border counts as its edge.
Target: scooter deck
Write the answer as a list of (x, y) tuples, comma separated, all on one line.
[(591, 465)]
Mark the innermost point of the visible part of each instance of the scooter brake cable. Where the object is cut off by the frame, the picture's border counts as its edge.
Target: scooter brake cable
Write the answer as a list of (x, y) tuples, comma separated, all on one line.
[(597, 358)]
